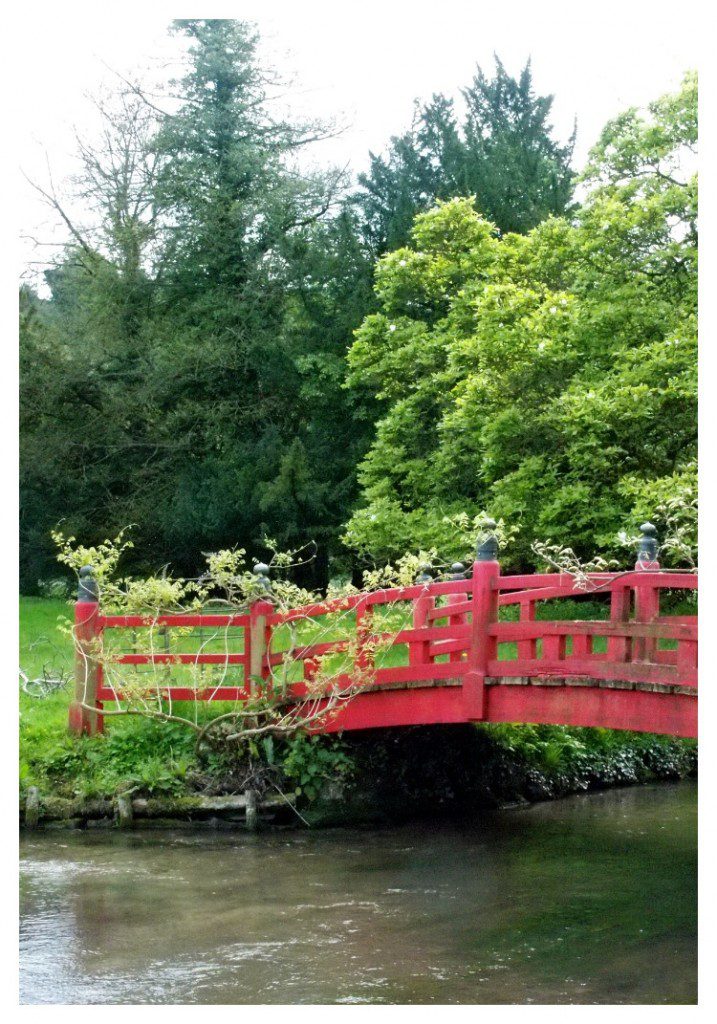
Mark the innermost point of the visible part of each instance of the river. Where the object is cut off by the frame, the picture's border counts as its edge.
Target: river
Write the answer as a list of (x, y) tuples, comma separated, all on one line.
[(591, 899)]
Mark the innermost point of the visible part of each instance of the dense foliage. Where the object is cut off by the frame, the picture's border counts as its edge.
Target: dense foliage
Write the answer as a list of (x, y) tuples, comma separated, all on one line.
[(550, 377), (501, 151), (169, 381), (186, 373)]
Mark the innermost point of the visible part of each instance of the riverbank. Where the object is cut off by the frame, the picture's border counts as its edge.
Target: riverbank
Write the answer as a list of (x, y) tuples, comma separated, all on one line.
[(391, 776), (383, 776)]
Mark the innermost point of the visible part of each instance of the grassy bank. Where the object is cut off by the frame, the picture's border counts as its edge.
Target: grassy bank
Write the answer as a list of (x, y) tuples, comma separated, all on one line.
[(381, 775)]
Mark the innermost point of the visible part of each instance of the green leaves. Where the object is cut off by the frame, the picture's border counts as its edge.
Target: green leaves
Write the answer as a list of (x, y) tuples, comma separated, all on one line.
[(315, 762), (532, 375)]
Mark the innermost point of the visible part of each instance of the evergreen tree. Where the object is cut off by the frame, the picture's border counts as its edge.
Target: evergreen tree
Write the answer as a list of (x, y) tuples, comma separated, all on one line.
[(503, 153), (185, 375), (233, 264)]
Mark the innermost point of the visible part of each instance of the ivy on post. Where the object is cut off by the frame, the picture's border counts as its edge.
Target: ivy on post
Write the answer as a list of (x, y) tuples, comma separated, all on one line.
[(484, 600), (647, 596), (259, 629), (87, 633)]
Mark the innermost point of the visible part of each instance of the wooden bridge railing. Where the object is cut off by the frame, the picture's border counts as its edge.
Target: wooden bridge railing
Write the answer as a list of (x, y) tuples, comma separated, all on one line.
[(462, 635)]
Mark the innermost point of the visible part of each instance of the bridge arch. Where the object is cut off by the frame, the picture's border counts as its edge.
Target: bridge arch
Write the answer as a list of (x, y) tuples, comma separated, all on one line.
[(479, 648)]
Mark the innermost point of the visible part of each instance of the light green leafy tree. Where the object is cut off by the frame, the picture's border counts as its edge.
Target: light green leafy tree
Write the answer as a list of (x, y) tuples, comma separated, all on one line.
[(550, 377)]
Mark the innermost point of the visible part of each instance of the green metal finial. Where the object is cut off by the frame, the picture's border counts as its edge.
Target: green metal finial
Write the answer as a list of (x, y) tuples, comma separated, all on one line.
[(487, 549), (647, 548), (87, 588), (261, 571), (424, 573)]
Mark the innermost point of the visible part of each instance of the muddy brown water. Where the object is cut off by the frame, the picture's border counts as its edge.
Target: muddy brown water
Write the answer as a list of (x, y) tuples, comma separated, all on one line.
[(591, 899)]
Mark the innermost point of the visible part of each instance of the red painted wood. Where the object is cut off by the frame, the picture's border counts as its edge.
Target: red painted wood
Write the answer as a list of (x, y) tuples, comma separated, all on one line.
[(311, 651), (401, 707), (312, 610), (686, 656), (366, 644), (457, 607), (647, 609), (454, 648), (180, 659), (537, 594), (632, 653), (535, 580), (137, 621), (594, 668), (527, 648), (577, 706), (483, 646), (410, 593), (504, 631), (664, 578), (618, 647), (179, 693), (637, 710), (554, 646), (88, 670), (458, 627), (419, 647), (430, 634), (417, 673)]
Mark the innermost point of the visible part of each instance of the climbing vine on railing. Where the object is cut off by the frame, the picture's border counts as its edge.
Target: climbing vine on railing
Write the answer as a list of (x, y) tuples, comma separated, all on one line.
[(228, 588)]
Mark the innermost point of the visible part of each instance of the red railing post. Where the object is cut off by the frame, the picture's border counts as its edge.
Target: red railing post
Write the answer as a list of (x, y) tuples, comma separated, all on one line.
[(617, 646), (258, 638), (527, 649), (647, 595), (419, 651), (458, 572), (364, 662), (85, 714), (484, 601)]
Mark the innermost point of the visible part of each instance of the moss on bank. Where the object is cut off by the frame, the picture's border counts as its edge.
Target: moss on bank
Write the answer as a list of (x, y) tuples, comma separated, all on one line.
[(372, 776), (436, 770)]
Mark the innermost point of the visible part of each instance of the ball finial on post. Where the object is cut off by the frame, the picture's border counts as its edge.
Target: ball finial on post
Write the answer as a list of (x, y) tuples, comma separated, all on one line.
[(487, 548), (424, 573), (261, 571), (647, 547), (87, 589), (458, 571)]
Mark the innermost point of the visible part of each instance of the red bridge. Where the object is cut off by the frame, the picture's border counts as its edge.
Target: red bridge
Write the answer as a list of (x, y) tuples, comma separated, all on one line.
[(473, 649)]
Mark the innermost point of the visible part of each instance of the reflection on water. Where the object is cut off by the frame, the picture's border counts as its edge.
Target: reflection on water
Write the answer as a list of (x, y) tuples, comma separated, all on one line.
[(585, 900)]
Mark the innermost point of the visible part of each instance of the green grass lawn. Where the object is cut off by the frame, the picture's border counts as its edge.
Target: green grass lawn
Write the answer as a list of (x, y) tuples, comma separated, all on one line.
[(44, 647), (41, 642)]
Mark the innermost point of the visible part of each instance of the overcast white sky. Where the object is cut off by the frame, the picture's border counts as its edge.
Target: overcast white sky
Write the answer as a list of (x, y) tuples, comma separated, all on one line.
[(362, 63)]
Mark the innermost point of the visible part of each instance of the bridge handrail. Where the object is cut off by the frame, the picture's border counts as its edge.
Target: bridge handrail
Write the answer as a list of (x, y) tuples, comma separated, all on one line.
[(464, 650)]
